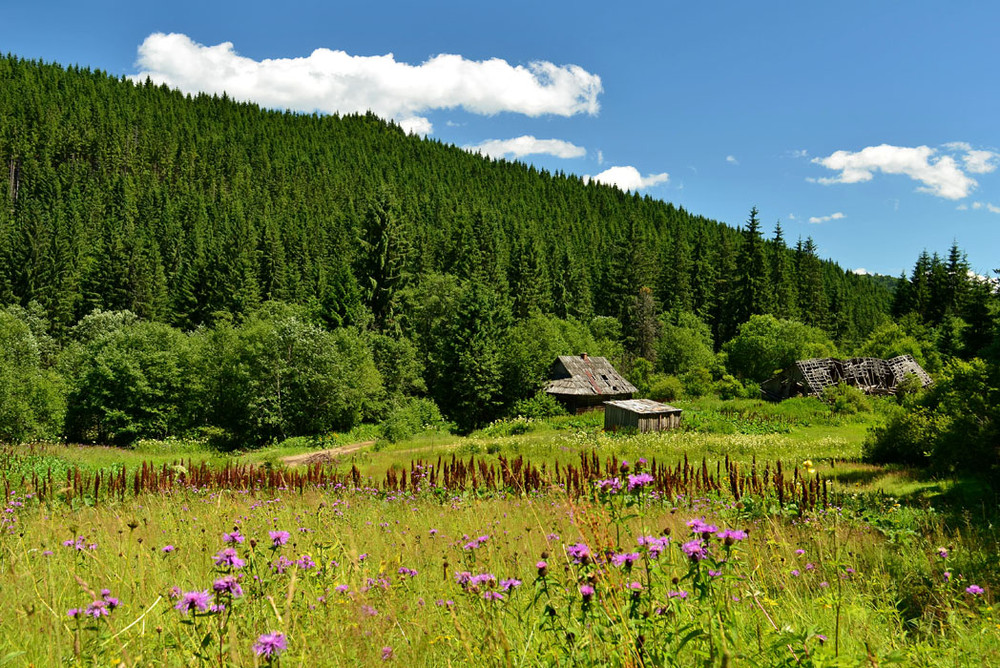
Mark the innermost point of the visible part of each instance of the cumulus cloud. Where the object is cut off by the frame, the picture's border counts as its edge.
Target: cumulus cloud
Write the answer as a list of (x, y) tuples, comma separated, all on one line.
[(528, 145), (939, 174), (627, 178), (731, 159), (826, 219), (334, 81), (860, 271)]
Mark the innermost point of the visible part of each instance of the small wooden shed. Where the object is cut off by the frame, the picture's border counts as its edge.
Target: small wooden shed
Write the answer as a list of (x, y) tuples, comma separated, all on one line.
[(643, 415)]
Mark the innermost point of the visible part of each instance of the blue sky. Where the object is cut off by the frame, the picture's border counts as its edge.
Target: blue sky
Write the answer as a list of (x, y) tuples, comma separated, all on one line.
[(870, 126)]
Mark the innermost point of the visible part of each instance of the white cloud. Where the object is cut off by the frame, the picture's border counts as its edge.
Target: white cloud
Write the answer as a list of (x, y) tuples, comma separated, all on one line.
[(962, 207), (791, 216), (600, 157), (860, 271), (416, 125), (826, 219), (799, 153), (731, 159), (939, 174), (334, 81), (980, 162), (627, 178), (528, 145)]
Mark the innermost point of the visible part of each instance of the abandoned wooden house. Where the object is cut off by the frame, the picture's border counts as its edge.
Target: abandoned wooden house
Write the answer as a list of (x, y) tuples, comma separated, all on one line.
[(583, 383), (871, 375), (643, 415)]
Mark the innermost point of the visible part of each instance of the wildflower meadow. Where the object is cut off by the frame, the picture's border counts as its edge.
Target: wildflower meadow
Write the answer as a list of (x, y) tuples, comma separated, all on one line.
[(589, 558)]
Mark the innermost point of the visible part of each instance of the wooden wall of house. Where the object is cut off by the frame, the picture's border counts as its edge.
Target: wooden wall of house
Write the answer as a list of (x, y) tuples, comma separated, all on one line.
[(616, 418)]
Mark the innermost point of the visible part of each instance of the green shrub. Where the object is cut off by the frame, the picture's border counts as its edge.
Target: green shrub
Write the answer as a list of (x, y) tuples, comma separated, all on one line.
[(665, 388), (410, 418), (542, 405), (729, 387), (766, 344), (846, 399), (697, 382)]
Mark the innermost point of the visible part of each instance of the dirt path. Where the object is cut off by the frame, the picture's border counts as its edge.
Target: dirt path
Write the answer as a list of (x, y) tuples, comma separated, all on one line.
[(324, 456)]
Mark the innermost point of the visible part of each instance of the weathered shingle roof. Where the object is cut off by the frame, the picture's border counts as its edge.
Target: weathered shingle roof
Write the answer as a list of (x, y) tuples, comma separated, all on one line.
[(578, 375), (644, 407)]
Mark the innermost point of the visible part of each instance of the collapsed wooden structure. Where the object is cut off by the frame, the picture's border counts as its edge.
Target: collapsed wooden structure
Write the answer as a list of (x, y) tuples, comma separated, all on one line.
[(871, 375), (643, 415), (583, 383)]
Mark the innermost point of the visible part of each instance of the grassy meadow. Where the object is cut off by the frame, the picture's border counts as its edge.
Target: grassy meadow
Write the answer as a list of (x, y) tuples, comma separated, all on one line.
[(685, 548)]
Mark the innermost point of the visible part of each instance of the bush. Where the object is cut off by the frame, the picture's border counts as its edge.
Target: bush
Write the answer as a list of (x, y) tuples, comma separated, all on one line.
[(665, 388), (697, 382), (846, 399), (729, 387), (410, 418), (542, 405)]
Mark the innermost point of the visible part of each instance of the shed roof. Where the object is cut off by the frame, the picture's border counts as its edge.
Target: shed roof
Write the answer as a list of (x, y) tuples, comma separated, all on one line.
[(644, 407), (585, 375)]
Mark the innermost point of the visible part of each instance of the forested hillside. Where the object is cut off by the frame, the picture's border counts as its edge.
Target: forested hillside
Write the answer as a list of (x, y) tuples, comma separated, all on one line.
[(174, 265), (123, 196)]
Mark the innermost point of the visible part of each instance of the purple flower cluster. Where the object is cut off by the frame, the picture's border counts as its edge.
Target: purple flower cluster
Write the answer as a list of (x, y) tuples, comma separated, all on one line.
[(655, 544), (101, 607), (626, 559), (611, 485), (193, 601), (278, 538), (696, 550), (639, 480), (270, 645), (229, 585), (407, 572), (579, 552), (228, 558)]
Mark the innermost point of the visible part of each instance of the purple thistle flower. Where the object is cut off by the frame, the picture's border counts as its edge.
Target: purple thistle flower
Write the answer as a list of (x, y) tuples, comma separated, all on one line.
[(234, 538), (942, 552), (638, 481), (821, 638), (975, 590), (463, 577), (611, 485), (626, 559), (341, 589), (193, 601), (482, 579), (408, 572), (386, 653), (228, 558), (586, 591), (677, 594), (510, 583), (947, 576), (167, 549), (654, 544), (492, 596), (695, 550), (795, 572), (634, 586), (543, 568), (74, 612), (579, 552), (97, 609), (278, 538), (800, 551), (698, 526), (228, 585), (730, 536), (305, 562), (270, 645)]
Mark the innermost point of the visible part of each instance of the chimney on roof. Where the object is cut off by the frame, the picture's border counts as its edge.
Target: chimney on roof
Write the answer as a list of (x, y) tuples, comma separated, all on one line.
[(584, 356)]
